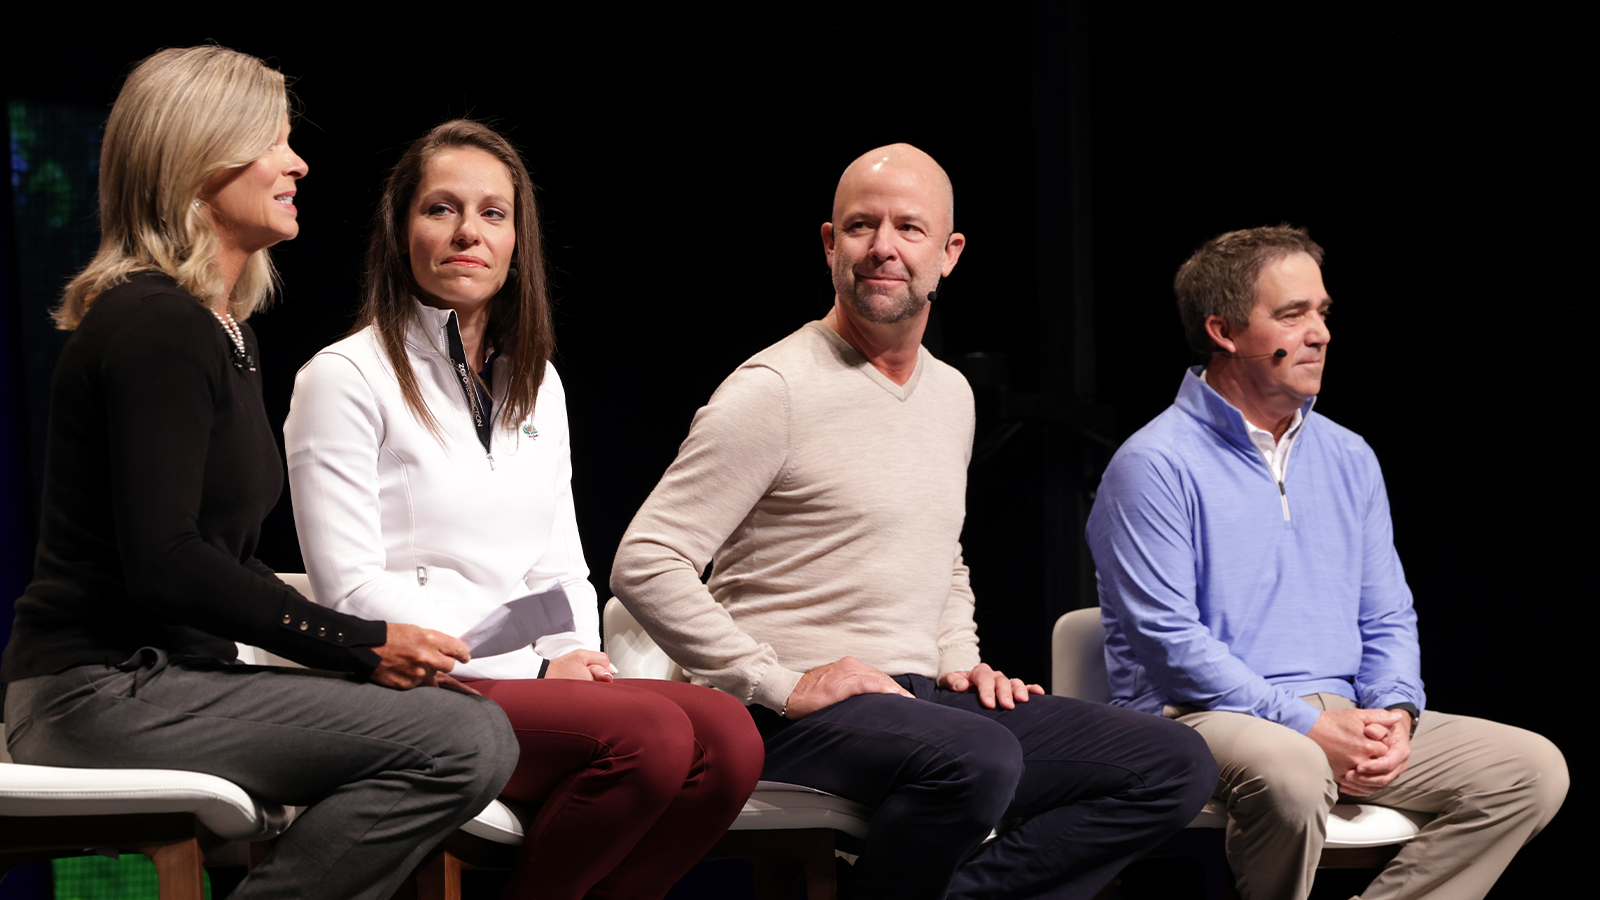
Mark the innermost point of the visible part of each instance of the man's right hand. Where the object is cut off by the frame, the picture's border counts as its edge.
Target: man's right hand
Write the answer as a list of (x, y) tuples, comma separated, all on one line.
[(412, 656), (826, 685), (1346, 737)]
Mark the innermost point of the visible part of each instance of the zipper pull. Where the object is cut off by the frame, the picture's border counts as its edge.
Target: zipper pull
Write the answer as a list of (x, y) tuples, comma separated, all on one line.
[(491, 461), (422, 575), (1283, 497)]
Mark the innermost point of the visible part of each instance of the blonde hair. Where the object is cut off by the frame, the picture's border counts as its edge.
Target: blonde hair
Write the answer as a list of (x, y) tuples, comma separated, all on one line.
[(182, 116)]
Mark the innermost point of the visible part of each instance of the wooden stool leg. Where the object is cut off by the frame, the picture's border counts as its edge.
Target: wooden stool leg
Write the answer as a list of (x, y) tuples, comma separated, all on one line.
[(180, 873), (255, 853), (772, 875), (822, 878), (439, 877), (822, 872)]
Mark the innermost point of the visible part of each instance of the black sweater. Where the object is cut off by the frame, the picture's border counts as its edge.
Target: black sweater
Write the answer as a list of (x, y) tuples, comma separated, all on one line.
[(159, 467)]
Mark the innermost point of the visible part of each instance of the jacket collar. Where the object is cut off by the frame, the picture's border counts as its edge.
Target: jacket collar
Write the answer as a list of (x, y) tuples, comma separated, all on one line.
[(1202, 402), (427, 329)]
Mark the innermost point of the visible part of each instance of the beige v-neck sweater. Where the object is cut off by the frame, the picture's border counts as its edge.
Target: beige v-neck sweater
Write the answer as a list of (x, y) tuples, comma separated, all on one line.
[(832, 501)]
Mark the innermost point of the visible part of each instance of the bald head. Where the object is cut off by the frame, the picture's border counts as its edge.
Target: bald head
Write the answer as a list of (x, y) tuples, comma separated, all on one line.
[(891, 237), (902, 163)]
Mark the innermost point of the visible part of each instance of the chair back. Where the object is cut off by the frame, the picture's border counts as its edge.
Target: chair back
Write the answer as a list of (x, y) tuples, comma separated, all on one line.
[(632, 650), (1078, 651)]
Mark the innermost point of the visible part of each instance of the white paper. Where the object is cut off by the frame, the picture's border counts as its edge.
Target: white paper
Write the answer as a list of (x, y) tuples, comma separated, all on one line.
[(520, 622)]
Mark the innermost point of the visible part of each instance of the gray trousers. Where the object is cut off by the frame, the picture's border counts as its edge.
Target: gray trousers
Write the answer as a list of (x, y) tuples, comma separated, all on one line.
[(1492, 786), (386, 774)]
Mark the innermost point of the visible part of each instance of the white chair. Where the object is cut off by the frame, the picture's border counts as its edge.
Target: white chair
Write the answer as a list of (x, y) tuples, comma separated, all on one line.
[(1359, 835), (48, 812), (779, 820)]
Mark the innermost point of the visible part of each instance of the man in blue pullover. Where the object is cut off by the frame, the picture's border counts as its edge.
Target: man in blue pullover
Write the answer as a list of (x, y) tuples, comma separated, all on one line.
[(1250, 589)]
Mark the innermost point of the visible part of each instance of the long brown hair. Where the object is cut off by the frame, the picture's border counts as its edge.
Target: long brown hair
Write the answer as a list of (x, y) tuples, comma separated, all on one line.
[(519, 316), (182, 116)]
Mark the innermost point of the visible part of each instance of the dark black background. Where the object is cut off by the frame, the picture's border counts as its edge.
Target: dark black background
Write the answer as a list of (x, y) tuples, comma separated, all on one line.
[(686, 161)]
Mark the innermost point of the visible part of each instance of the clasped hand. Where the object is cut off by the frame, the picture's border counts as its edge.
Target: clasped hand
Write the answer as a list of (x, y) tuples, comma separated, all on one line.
[(1366, 748), (582, 665)]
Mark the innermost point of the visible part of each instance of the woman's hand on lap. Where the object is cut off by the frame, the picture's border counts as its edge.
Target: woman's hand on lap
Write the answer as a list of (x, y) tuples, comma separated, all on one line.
[(413, 656), (582, 665)]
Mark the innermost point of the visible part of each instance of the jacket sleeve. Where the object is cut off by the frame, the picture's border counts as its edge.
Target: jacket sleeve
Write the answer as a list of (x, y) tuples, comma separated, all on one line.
[(735, 453), (563, 556), (163, 383), (1141, 535), (1391, 658)]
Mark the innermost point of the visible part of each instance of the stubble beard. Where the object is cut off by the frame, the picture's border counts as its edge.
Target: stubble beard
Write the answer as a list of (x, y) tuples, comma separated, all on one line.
[(877, 306)]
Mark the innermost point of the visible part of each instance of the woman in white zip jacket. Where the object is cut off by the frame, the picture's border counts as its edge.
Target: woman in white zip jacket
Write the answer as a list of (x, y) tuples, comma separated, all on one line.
[(431, 475)]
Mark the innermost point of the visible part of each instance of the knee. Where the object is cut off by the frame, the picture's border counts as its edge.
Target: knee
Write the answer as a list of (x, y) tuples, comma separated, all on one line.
[(1291, 786), (981, 774), (730, 746), (652, 743), (1190, 773), (1553, 780), (485, 745), (468, 746), (1542, 778)]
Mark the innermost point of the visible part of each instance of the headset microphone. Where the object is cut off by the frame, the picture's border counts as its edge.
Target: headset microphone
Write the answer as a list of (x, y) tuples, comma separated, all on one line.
[(933, 295), (1279, 353)]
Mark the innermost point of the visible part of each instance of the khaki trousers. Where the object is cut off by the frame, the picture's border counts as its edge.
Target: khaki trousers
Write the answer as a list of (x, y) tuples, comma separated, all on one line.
[(1492, 786)]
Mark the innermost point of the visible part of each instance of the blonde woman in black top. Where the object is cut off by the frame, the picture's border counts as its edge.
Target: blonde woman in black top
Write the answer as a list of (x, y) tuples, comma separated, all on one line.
[(160, 468)]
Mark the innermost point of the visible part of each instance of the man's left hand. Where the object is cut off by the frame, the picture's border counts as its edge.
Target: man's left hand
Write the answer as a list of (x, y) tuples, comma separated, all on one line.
[(1376, 774), (992, 686)]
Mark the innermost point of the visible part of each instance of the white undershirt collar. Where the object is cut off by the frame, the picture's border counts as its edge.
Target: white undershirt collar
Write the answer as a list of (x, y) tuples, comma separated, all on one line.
[(1274, 452)]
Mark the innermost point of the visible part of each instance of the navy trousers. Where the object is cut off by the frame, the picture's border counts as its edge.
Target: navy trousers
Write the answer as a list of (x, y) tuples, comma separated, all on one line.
[(1078, 789)]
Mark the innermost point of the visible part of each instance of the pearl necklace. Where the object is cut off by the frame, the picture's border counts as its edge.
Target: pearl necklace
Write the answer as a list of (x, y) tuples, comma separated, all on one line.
[(241, 358)]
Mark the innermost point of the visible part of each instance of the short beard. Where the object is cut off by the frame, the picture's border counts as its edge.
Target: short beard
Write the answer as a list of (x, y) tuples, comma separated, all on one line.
[(891, 312), (901, 311)]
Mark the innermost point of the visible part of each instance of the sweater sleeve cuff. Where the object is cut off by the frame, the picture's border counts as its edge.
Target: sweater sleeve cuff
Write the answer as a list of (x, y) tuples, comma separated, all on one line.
[(774, 688), (958, 658)]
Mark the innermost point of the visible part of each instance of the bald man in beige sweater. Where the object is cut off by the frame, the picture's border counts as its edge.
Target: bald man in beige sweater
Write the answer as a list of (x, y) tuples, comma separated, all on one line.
[(826, 477)]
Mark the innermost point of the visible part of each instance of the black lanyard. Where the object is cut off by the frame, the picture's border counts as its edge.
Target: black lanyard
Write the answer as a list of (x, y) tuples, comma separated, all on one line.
[(478, 399)]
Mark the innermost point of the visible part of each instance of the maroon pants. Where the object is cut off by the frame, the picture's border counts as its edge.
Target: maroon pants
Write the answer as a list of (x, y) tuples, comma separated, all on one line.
[(638, 778)]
